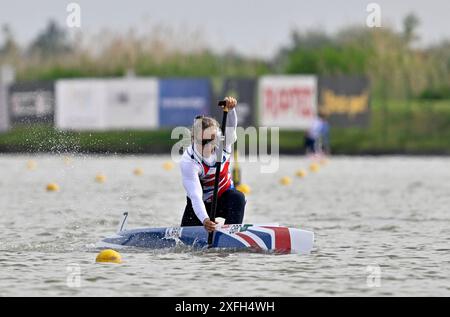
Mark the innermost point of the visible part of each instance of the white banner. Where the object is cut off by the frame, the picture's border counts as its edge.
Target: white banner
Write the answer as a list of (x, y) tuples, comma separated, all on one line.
[(79, 104), (131, 103), (288, 102), (4, 120), (7, 76), (102, 104)]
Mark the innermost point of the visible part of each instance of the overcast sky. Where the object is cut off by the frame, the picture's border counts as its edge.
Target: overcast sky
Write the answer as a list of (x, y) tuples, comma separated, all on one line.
[(251, 27)]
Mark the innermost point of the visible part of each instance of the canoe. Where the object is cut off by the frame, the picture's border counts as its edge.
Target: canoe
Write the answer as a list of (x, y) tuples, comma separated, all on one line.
[(265, 238)]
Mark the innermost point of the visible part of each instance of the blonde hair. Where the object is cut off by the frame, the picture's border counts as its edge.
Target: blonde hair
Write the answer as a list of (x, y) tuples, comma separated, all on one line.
[(201, 123)]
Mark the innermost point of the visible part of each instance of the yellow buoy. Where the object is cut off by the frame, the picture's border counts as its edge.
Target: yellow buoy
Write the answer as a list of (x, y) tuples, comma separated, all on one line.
[(100, 178), (301, 173), (286, 180), (109, 256), (168, 165), (67, 160), (52, 187), (138, 171), (314, 167), (31, 165), (243, 188)]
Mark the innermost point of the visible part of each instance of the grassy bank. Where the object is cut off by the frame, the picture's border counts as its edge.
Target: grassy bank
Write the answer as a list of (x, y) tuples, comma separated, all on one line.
[(415, 127), (401, 127)]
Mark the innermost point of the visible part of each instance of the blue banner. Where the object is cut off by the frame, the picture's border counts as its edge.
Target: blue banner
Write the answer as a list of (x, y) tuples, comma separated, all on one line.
[(180, 100)]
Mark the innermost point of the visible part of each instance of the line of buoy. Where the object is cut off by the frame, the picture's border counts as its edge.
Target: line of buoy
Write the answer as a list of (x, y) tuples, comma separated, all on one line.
[(100, 178), (108, 256), (31, 165), (286, 180), (67, 160), (52, 187), (314, 167), (301, 173), (168, 165), (244, 188)]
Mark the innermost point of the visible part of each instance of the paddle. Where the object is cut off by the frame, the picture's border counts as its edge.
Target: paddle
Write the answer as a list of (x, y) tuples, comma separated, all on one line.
[(219, 154)]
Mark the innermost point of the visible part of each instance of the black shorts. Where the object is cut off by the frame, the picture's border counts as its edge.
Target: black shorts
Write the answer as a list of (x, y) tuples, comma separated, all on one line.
[(231, 206)]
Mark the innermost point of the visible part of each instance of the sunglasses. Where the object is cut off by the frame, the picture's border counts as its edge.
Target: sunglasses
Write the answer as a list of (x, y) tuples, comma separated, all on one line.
[(206, 141)]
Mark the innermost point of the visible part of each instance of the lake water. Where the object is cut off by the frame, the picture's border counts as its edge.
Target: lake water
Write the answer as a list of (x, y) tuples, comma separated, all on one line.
[(382, 228)]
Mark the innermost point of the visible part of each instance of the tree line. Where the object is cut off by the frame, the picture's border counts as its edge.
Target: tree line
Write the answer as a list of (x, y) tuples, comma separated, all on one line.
[(397, 66)]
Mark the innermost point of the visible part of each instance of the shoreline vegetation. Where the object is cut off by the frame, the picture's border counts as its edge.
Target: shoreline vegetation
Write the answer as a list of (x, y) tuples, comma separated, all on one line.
[(410, 83)]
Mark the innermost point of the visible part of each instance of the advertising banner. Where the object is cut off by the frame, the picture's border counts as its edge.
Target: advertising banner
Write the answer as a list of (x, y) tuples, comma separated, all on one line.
[(4, 120), (7, 76), (244, 90), (180, 100), (345, 100), (107, 104), (287, 102), (32, 102), (131, 104), (80, 104)]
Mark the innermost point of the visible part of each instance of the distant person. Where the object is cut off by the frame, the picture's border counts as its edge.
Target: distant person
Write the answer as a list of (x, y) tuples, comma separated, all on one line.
[(317, 137), (198, 173)]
